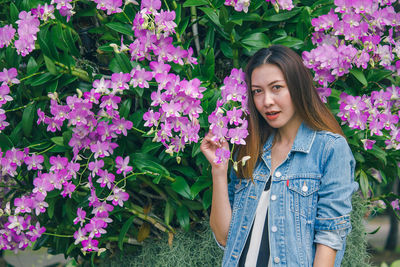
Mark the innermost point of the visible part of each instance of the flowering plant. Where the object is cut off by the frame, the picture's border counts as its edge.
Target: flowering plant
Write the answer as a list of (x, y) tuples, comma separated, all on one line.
[(103, 105)]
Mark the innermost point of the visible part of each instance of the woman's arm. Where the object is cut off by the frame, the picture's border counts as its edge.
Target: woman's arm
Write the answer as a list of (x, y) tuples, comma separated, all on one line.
[(221, 211), (324, 256)]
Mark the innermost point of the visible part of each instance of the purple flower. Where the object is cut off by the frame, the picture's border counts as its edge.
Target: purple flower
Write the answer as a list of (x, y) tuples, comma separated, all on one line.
[(102, 149), (121, 125), (80, 235), (151, 118), (102, 86), (34, 162), (95, 228), (122, 165), (395, 204), (222, 155), (58, 163), (69, 188), (118, 197), (35, 232), (368, 144), (110, 102), (6, 35), (90, 245), (39, 204), (102, 209), (81, 214), (95, 166), (9, 76), (106, 178), (140, 77), (23, 205)]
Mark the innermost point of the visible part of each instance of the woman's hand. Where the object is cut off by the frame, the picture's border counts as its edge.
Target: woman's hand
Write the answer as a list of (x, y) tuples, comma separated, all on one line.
[(209, 147)]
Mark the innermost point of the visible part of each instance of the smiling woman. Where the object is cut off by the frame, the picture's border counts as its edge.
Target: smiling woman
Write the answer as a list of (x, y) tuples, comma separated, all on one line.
[(299, 160)]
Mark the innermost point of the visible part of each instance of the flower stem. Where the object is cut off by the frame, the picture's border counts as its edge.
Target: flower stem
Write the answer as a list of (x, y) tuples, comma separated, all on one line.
[(44, 151), (58, 235)]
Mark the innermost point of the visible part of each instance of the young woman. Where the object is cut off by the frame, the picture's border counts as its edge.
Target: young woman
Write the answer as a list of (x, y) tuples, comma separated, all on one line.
[(290, 204)]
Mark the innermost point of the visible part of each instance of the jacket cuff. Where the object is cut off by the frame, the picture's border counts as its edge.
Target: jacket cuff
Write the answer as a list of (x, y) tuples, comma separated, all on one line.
[(334, 239), (331, 224), (219, 245)]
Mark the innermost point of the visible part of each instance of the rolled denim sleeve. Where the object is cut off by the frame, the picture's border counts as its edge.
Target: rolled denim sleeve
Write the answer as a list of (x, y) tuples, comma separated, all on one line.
[(332, 223)]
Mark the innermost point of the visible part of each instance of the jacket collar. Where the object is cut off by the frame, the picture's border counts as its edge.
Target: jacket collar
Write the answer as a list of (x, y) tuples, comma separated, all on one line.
[(302, 143)]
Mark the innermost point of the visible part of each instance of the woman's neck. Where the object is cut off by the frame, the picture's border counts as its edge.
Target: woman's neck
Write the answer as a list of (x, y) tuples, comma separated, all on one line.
[(286, 135)]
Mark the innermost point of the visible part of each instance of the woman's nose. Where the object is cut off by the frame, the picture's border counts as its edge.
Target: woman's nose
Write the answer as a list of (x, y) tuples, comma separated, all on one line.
[(268, 99)]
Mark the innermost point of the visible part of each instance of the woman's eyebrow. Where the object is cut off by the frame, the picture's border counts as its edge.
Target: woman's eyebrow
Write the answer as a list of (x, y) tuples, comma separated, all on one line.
[(271, 83)]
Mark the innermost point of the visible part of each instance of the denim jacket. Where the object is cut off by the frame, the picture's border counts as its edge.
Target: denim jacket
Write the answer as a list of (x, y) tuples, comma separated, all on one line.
[(310, 200)]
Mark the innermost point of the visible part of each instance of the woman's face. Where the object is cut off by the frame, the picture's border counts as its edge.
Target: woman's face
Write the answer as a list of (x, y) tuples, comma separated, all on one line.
[(272, 98)]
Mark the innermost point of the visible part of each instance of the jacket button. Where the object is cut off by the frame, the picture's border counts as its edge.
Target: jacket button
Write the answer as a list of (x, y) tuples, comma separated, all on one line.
[(304, 188), (278, 174), (277, 259), (274, 228), (273, 197)]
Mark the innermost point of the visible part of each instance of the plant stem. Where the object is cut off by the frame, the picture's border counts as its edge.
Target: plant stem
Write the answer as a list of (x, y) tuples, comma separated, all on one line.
[(58, 235), (44, 151)]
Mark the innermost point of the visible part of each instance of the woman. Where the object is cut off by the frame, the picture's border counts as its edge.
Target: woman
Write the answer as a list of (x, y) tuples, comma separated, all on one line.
[(290, 204)]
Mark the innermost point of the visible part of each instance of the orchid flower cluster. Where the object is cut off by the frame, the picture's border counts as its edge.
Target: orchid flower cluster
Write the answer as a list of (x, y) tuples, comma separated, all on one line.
[(95, 122), (29, 22), (7, 79), (243, 5), (176, 103), (227, 121), (379, 113), (352, 35)]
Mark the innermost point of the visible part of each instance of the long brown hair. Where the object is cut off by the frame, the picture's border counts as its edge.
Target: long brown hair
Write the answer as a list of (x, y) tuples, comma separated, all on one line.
[(305, 99)]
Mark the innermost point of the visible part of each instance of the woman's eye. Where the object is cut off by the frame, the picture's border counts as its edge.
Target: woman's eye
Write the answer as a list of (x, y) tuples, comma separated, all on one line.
[(276, 87), (256, 91)]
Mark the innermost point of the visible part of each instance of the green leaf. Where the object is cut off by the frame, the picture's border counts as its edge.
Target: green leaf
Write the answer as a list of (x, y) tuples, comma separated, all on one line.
[(207, 198), (52, 87), (149, 145), (27, 119), (13, 12), (146, 162), (5, 142), (181, 187), (189, 3), (70, 42), (364, 183), (58, 140), (123, 62), (32, 66), (289, 41), (182, 215), (123, 232), (284, 16), (377, 75), (125, 108), (395, 264), (359, 75), (379, 153), (168, 213), (210, 64), (226, 49), (212, 15), (41, 79), (51, 67), (52, 205), (256, 40), (201, 183), (120, 27), (374, 231)]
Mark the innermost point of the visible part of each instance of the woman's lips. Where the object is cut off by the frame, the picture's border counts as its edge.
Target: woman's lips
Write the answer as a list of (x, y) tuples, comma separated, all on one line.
[(272, 115)]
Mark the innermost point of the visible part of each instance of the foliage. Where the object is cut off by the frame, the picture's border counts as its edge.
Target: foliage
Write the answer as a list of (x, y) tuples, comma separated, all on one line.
[(103, 105)]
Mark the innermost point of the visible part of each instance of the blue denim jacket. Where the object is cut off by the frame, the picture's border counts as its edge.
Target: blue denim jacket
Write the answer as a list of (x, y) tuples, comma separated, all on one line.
[(310, 200)]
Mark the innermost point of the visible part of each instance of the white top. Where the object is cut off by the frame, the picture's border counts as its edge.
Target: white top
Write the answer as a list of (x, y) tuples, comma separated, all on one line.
[(257, 232)]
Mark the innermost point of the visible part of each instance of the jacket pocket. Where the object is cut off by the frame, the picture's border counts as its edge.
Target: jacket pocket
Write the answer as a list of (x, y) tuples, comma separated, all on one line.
[(303, 195)]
